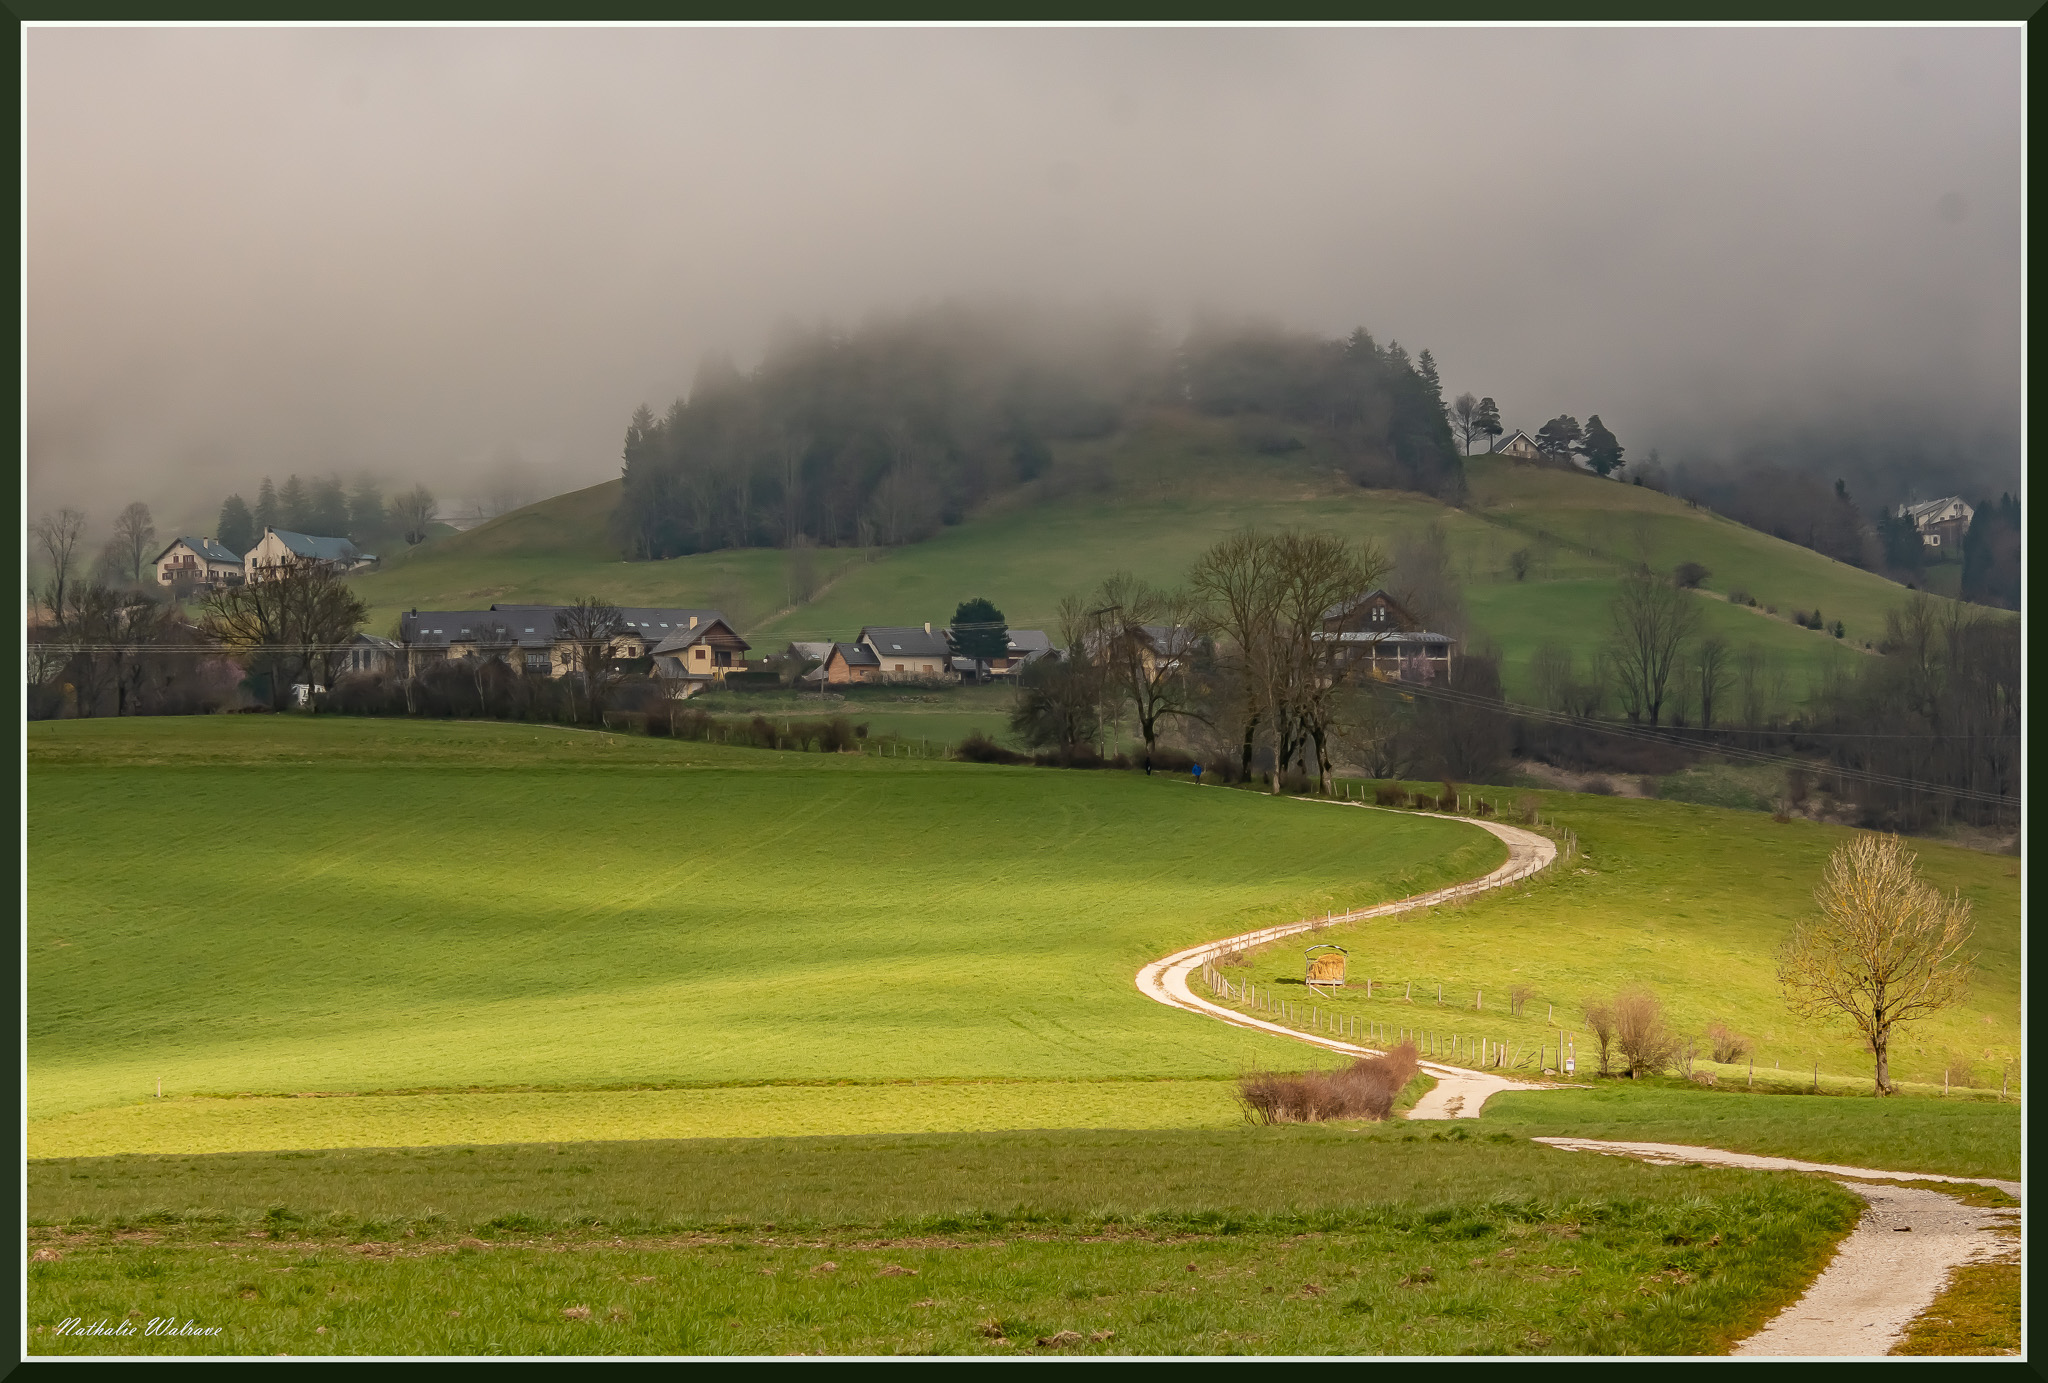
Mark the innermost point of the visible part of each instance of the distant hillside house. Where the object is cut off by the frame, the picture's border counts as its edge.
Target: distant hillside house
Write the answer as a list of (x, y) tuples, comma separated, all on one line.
[(808, 650), (524, 636), (1941, 522), (1379, 637), (280, 548), (1519, 445), (849, 662), (907, 654), (199, 561)]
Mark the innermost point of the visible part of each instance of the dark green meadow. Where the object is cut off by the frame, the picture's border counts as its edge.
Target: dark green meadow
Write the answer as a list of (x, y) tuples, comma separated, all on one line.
[(1386, 1240)]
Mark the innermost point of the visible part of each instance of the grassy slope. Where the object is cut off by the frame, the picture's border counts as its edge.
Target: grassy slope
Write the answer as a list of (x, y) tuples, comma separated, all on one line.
[(1289, 1240), (1151, 500), (1690, 900), (349, 905)]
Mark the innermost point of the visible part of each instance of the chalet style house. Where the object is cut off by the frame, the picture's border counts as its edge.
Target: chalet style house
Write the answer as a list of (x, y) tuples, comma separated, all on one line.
[(689, 648), (199, 562), (280, 548), (1519, 445), (1942, 523), (1377, 637), (887, 653)]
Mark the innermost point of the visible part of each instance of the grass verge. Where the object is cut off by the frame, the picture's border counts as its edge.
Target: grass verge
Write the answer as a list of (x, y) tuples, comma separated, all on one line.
[(1383, 1239), (1978, 1312), (1949, 1137)]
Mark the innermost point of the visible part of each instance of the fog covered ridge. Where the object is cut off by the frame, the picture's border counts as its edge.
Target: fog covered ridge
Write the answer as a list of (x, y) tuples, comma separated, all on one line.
[(455, 256), (882, 434)]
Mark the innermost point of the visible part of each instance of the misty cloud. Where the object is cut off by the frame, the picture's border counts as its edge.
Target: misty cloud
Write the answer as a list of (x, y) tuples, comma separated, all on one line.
[(464, 256)]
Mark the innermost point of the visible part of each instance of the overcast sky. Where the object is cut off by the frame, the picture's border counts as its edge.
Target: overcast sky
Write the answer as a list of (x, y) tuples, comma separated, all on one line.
[(431, 253)]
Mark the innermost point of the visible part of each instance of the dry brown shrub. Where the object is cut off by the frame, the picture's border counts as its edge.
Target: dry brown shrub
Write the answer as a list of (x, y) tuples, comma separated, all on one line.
[(1366, 1089), (1647, 1046), (1729, 1046)]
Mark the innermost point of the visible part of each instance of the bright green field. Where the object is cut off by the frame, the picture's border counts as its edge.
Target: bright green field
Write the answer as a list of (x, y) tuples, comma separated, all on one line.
[(1923, 1134), (1689, 900), (1396, 1240), (284, 905), (1164, 491)]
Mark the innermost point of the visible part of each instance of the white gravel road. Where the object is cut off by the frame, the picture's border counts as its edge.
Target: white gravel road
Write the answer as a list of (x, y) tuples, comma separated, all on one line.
[(1886, 1273), (1459, 1093)]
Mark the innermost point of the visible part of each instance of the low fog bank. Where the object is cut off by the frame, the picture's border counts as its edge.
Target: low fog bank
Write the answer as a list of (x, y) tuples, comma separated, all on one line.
[(461, 258)]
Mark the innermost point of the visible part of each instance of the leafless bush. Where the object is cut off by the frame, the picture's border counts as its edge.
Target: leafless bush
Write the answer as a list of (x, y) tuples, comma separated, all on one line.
[(1729, 1046), (1366, 1089), (1518, 996), (1600, 1022), (1530, 807), (1447, 800), (1393, 795), (1959, 1070), (1645, 1043), (1685, 1052)]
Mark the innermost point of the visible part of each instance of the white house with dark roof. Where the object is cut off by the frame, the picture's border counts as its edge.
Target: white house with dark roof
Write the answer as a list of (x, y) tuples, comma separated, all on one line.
[(1941, 523), (279, 548), (198, 562), (1519, 445)]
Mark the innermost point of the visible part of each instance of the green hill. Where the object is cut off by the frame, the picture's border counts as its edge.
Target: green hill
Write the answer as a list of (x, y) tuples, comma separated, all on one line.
[(1150, 499)]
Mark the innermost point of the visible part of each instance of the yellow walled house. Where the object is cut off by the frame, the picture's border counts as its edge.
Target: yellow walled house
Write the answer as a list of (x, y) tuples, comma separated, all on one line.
[(693, 647)]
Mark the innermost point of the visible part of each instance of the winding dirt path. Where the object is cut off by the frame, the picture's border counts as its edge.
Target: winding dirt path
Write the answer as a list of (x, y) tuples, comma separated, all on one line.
[(1459, 1093), (1880, 1279)]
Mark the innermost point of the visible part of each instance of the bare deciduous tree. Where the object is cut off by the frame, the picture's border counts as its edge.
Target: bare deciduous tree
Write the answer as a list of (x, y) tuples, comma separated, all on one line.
[(1712, 673), (1270, 596), (1653, 619), (412, 511), (1152, 638), (291, 627), (1465, 420), (1600, 1022), (592, 629), (1885, 949), (57, 537), (135, 538)]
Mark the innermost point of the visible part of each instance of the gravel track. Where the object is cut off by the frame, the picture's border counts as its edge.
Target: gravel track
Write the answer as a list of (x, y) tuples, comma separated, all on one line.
[(1885, 1274), (1460, 1093)]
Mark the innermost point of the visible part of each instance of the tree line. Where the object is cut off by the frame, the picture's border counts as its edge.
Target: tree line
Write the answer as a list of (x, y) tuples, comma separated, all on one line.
[(883, 435), (325, 507)]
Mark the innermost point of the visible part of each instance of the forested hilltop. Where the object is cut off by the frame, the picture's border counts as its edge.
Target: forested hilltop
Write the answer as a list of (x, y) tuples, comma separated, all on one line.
[(885, 434)]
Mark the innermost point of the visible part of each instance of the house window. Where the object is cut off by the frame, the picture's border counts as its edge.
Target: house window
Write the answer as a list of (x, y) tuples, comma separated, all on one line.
[(899, 667), (1934, 540)]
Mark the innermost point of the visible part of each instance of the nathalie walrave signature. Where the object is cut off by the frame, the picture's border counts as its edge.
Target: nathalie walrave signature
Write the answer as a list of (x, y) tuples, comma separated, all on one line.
[(159, 1325)]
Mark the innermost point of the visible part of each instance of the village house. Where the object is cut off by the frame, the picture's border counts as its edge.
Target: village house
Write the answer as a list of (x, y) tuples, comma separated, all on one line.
[(1942, 523), (1377, 636), (367, 653), (279, 548), (691, 647), (1519, 445), (907, 654), (848, 662), (199, 562)]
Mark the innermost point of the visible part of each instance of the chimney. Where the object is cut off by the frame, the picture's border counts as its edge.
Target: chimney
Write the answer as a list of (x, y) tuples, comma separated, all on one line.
[(693, 621), (927, 626)]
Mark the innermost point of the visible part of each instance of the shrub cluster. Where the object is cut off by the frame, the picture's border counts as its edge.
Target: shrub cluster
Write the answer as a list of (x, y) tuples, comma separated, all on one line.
[(1366, 1089)]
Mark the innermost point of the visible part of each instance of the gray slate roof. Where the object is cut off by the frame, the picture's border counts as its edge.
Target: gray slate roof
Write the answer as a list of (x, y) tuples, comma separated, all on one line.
[(318, 549), (1027, 641), (858, 655), (205, 547), (909, 643)]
